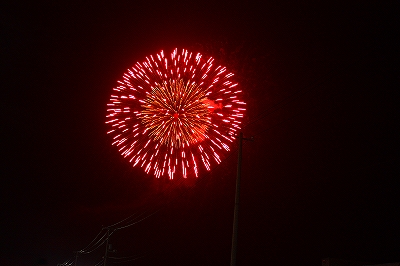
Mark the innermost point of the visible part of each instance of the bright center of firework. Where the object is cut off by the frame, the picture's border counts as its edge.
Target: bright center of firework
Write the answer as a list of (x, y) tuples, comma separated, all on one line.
[(176, 113)]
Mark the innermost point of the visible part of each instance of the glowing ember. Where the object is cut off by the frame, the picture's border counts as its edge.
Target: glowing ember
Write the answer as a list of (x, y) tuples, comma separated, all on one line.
[(173, 115)]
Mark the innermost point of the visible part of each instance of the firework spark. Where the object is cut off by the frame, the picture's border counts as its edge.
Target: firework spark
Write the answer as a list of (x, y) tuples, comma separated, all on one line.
[(173, 115)]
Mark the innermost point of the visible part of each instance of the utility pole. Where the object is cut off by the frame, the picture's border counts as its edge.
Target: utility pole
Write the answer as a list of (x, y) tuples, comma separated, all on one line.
[(76, 257), (106, 253), (237, 194)]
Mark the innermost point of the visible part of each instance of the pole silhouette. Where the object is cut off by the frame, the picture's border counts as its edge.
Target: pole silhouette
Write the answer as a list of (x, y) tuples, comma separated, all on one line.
[(236, 211)]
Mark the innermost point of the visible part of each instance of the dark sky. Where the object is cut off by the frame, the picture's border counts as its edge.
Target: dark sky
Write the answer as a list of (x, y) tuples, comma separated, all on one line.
[(320, 180)]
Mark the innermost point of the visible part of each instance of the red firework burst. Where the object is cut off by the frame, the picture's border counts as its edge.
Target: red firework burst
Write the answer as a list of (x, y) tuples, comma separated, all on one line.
[(170, 115)]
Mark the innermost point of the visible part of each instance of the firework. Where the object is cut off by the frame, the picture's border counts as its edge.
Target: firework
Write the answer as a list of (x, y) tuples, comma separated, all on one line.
[(173, 115)]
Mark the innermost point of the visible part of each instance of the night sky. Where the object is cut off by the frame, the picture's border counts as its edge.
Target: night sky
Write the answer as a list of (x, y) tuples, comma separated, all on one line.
[(320, 179)]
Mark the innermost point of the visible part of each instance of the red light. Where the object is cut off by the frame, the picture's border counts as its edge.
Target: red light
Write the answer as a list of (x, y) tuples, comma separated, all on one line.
[(166, 111)]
